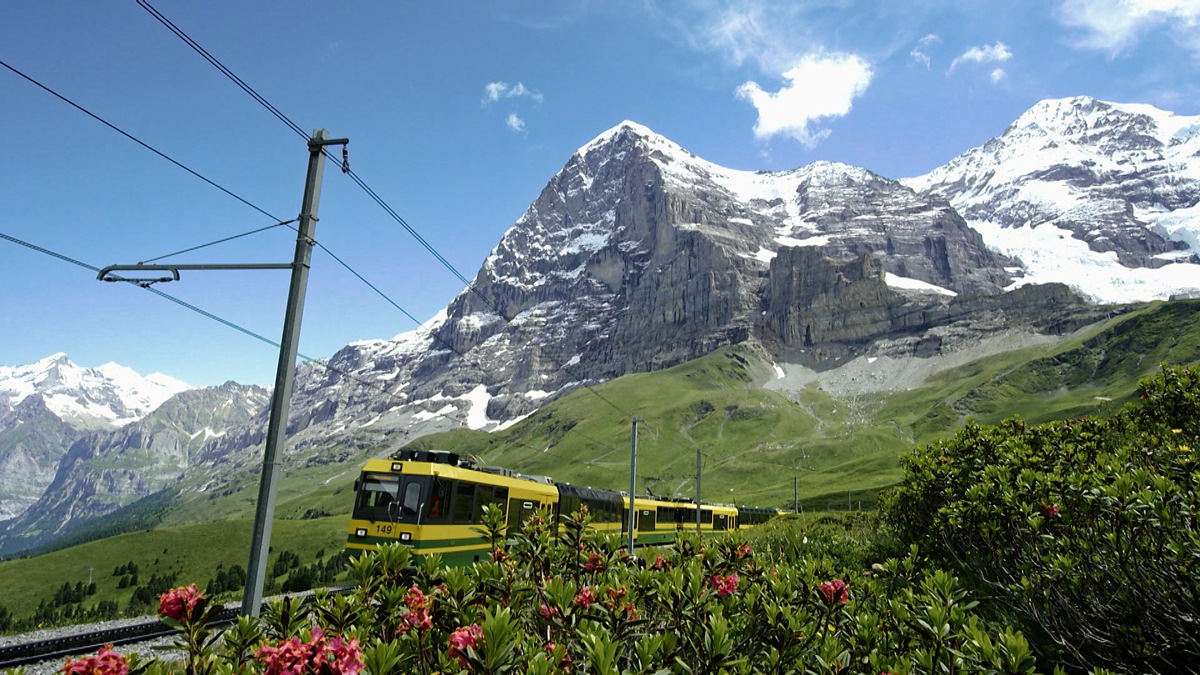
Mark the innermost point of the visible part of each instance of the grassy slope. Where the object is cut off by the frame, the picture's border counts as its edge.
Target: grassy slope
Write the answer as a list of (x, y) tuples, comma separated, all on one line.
[(191, 553), (754, 442)]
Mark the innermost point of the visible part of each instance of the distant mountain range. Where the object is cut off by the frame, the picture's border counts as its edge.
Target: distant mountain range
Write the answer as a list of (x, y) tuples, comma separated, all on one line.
[(639, 255)]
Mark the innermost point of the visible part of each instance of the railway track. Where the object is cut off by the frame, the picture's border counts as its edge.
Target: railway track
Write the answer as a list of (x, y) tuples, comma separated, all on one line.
[(26, 653), (14, 655)]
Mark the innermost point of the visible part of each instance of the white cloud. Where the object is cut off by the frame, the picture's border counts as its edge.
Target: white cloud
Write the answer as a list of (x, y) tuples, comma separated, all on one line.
[(758, 31), (997, 53), (917, 54), (818, 86), (997, 75), (515, 122), (1116, 25), (495, 91)]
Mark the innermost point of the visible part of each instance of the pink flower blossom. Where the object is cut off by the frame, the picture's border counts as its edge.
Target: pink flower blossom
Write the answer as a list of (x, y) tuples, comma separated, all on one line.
[(835, 591), (743, 550), (329, 657), (419, 606), (291, 656), (181, 604), (105, 662), (462, 639), (725, 586), (345, 656), (1049, 510), (659, 563), (595, 563), (548, 612), (585, 597)]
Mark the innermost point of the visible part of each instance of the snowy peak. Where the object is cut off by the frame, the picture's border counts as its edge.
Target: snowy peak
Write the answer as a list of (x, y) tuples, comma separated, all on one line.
[(1102, 196), (1089, 121), (104, 397)]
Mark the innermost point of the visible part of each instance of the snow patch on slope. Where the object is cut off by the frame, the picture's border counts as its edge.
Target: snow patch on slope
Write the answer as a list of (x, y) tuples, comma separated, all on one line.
[(1051, 254)]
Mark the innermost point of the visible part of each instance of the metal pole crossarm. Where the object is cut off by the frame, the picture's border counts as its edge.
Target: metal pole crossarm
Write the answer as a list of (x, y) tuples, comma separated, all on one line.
[(105, 273)]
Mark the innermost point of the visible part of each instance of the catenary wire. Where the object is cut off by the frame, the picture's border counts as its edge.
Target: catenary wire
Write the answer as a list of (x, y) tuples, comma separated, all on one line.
[(219, 241), (299, 131), (215, 62), (206, 180), (221, 67), (133, 138)]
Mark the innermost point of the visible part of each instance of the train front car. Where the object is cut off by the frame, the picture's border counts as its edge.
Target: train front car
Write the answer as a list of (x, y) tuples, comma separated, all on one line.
[(432, 502)]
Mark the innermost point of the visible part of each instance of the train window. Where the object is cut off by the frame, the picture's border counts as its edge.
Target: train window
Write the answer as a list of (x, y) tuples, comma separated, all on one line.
[(439, 499), (464, 502), (412, 498), (489, 495), (376, 491)]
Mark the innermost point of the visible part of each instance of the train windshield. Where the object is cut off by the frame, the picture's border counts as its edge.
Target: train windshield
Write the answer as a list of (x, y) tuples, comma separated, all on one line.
[(389, 497)]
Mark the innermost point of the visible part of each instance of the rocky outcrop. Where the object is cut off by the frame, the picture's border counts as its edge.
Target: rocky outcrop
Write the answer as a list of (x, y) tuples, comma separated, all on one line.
[(104, 471), (33, 440)]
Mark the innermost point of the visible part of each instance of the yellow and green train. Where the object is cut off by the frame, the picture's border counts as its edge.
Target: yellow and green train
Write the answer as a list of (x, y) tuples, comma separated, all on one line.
[(432, 501)]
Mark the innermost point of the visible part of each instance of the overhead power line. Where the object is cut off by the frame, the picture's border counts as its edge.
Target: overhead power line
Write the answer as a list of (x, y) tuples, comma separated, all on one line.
[(137, 140), (241, 84)]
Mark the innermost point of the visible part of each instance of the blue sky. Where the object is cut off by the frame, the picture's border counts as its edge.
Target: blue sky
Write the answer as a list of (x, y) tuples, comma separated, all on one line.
[(458, 113)]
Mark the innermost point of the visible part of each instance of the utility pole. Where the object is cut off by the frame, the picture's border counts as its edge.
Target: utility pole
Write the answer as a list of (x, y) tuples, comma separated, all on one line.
[(697, 490), (260, 543), (795, 494), (285, 373), (632, 475)]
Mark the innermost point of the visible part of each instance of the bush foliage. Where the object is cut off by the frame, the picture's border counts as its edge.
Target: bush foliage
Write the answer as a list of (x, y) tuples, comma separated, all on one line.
[(572, 601), (1086, 526)]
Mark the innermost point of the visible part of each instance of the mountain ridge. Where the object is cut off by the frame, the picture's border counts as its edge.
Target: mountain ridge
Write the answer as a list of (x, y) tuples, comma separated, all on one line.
[(638, 255)]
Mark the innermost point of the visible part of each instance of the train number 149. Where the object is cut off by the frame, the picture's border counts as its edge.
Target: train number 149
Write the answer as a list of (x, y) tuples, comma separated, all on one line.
[(383, 528)]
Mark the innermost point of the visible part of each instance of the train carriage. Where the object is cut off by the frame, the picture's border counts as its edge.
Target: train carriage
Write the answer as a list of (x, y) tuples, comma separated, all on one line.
[(432, 501)]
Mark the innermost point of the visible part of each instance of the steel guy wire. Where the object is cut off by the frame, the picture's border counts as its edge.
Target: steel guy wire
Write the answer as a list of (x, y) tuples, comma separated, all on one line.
[(219, 241), (353, 176), (140, 142)]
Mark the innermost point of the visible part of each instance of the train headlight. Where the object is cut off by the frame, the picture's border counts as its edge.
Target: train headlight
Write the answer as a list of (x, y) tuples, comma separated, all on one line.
[(406, 536), (397, 467), (360, 532)]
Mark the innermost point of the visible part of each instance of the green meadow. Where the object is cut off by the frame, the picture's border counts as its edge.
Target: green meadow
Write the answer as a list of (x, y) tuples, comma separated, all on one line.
[(756, 446)]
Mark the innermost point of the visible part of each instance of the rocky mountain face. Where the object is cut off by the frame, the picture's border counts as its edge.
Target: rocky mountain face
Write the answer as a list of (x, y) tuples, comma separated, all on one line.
[(103, 471), (48, 405), (639, 255), (33, 440), (1120, 181)]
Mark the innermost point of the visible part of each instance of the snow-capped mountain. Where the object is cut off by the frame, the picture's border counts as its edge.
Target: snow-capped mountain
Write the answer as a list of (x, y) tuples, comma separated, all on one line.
[(1101, 196), (106, 470), (47, 406), (638, 255), (87, 398)]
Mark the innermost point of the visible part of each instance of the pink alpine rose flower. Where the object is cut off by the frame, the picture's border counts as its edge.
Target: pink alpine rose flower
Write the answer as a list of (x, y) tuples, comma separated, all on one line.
[(725, 586), (105, 662), (585, 597), (462, 639), (181, 604), (835, 591)]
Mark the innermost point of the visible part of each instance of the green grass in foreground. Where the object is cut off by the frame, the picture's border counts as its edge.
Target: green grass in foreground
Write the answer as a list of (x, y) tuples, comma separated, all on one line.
[(190, 554)]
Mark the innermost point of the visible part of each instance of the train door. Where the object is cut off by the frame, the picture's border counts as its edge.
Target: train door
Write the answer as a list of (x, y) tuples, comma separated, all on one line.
[(518, 511)]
